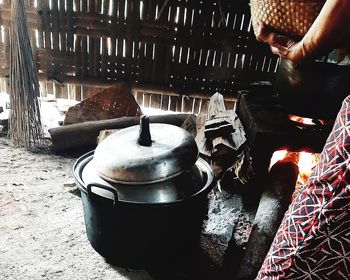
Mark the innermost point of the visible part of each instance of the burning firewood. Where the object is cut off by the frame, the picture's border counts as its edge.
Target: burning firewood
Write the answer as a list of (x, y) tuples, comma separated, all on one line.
[(273, 204)]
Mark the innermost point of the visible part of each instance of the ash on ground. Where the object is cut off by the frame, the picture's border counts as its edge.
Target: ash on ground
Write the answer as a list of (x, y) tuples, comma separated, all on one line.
[(228, 226)]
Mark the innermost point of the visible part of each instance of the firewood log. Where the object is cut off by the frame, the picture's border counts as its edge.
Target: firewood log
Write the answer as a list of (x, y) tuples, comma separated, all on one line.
[(83, 136), (273, 204)]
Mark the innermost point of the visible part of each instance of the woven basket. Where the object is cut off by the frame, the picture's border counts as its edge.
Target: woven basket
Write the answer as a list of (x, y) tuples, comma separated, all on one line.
[(291, 17)]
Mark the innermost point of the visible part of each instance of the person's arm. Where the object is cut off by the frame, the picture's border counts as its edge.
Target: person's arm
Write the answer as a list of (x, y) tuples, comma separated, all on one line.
[(330, 30)]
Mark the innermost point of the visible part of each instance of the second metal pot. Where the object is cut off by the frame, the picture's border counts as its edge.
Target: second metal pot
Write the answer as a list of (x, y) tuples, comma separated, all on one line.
[(313, 90)]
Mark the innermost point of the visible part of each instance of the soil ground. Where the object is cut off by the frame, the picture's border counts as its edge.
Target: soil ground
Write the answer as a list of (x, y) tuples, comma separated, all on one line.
[(42, 229)]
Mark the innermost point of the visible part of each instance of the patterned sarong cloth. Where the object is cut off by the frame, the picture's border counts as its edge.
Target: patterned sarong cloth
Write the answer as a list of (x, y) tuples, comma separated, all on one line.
[(313, 241)]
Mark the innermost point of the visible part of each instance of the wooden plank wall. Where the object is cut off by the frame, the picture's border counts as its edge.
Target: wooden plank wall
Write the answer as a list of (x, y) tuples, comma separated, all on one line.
[(192, 46)]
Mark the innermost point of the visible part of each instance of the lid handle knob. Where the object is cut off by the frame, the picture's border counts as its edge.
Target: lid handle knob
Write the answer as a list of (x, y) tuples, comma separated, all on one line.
[(144, 133)]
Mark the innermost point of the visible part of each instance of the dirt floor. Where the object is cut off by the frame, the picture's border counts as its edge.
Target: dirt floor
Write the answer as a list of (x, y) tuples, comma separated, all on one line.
[(42, 230)]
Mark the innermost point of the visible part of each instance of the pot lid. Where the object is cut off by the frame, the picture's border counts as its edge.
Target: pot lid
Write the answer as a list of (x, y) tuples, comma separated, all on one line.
[(145, 154), (196, 180)]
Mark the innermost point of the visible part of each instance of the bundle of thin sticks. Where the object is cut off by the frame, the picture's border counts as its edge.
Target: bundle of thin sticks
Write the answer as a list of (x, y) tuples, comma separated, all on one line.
[(25, 121)]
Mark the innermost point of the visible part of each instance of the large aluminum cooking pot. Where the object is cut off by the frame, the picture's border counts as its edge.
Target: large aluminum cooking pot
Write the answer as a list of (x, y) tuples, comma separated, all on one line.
[(144, 192)]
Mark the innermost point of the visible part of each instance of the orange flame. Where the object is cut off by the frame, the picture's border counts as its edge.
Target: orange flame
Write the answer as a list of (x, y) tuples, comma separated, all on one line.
[(307, 121), (278, 155), (306, 162), (301, 120)]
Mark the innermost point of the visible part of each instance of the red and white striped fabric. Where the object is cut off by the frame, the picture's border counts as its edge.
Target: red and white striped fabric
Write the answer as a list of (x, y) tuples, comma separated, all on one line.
[(313, 241)]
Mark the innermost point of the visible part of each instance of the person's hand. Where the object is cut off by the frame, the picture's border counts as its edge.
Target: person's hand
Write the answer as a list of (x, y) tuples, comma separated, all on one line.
[(330, 30), (282, 45)]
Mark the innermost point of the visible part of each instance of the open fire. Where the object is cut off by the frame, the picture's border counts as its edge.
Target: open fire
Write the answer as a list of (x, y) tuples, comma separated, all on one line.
[(307, 121), (304, 160)]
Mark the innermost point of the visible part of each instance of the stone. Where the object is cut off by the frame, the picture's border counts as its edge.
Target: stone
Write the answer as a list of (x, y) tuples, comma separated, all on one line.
[(113, 102), (69, 184)]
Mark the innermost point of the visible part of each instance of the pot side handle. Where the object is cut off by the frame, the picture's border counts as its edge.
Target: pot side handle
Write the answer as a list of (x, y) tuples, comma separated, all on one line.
[(100, 186)]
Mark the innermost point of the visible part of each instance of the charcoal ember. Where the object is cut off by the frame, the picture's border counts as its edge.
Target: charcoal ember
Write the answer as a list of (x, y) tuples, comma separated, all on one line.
[(113, 102)]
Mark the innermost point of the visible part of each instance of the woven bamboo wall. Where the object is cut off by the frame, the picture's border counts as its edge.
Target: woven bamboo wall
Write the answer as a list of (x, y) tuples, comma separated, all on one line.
[(190, 47)]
